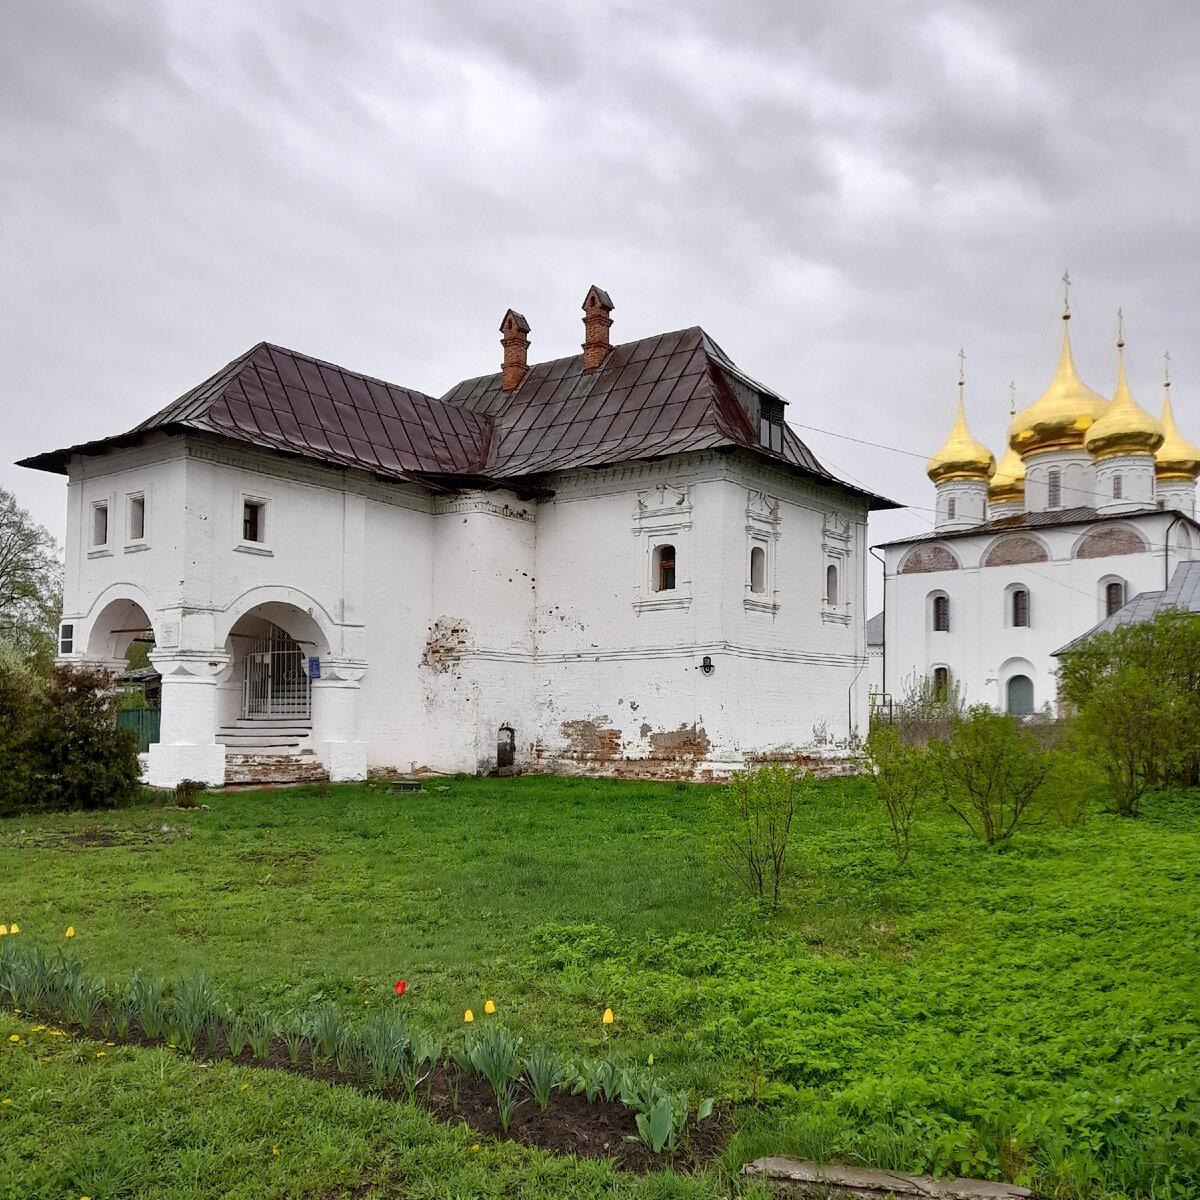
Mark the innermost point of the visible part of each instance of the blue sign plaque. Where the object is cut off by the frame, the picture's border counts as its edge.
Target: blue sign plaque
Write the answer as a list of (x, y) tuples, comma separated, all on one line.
[(314, 668)]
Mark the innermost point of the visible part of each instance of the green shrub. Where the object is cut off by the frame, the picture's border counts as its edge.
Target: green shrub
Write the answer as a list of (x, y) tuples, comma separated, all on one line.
[(749, 822), (904, 777), (20, 687), (81, 758), (994, 775)]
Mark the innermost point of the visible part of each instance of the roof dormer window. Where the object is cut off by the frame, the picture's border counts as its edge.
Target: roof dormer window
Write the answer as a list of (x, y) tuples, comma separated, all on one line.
[(770, 423)]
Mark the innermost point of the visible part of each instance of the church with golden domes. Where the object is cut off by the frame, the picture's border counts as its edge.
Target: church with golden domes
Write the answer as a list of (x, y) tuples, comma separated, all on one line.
[(1092, 503)]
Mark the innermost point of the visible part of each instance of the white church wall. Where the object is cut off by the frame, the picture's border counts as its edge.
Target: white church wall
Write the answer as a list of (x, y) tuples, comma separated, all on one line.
[(1066, 598)]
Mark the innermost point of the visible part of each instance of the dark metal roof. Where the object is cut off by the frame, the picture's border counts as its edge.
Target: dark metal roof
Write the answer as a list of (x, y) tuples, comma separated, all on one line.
[(1182, 592), (875, 630), (670, 394), (1039, 520)]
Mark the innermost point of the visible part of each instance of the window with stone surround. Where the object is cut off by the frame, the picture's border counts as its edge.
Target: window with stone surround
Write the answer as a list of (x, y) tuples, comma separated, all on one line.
[(662, 531), (831, 585), (99, 525), (1114, 596), (758, 570), (254, 529), (1020, 608), (664, 568), (941, 683)]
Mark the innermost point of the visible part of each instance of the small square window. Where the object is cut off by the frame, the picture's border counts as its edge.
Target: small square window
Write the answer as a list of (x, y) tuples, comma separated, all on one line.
[(66, 639), (99, 525), (137, 518), (254, 524)]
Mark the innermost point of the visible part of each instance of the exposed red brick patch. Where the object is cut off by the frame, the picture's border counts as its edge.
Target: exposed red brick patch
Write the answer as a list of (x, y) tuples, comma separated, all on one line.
[(929, 558), (688, 741), (448, 638), (1014, 550), (591, 739), (1104, 542)]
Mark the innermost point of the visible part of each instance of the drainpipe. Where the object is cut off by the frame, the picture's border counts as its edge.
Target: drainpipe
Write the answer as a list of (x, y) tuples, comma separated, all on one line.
[(1167, 551)]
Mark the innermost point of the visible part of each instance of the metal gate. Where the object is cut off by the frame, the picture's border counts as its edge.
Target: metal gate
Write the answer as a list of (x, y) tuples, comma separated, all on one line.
[(275, 677)]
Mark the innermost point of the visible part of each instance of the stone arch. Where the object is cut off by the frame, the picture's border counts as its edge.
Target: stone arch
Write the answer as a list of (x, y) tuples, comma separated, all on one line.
[(295, 611), (115, 619), (923, 559), (1018, 668), (1109, 540), (1014, 549)]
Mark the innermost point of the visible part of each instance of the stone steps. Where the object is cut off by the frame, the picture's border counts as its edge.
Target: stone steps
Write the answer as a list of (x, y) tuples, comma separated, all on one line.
[(267, 767), (265, 736)]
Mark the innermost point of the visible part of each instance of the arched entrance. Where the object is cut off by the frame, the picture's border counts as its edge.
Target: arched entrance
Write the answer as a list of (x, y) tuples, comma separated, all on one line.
[(1019, 700)]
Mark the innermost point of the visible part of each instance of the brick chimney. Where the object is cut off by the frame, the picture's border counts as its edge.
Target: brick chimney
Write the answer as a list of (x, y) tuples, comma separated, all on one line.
[(514, 327), (596, 307)]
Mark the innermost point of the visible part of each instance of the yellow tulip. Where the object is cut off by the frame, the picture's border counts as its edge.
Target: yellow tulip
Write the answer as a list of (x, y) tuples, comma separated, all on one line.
[(468, 1017), (16, 1037), (13, 928), (6, 1100), (650, 1061), (70, 931), (3, 930), (608, 1017), (489, 1007)]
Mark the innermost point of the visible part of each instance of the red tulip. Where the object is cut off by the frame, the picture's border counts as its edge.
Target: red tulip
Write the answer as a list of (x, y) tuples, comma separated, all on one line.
[(401, 987)]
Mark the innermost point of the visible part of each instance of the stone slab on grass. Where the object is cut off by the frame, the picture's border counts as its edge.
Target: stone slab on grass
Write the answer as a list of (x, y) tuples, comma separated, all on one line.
[(821, 1180)]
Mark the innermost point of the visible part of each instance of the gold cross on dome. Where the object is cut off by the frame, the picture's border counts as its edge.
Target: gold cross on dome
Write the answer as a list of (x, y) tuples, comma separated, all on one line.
[(1166, 368), (962, 367), (1012, 397), (1066, 293)]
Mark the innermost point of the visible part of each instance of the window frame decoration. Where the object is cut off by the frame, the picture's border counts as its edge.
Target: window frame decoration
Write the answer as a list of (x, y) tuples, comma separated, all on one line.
[(265, 520), (662, 516), (762, 533)]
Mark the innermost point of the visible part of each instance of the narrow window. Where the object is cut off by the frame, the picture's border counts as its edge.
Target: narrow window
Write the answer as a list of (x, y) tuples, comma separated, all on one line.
[(252, 521), (1114, 598), (758, 569), (1160, 505), (951, 508), (100, 525), (1020, 608), (66, 639), (941, 682), (137, 518), (664, 569), (1054, 488), (770, 423), (1118, 487), (831, 585), (941, 614)]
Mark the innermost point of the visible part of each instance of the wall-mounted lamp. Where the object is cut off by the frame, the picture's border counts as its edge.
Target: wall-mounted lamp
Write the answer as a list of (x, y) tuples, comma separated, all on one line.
[(706, 665)]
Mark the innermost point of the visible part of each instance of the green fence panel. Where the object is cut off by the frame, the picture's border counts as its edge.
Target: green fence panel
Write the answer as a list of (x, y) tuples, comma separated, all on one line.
[(144, 722)]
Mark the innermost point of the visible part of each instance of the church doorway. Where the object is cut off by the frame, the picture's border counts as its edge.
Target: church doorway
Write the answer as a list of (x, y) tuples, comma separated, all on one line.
[(1020, 696), (275, 682)]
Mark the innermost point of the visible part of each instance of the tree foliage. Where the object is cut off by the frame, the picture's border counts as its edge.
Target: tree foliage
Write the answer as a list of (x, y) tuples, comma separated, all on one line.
[(750, 820), (1136, 689), (30, 583)]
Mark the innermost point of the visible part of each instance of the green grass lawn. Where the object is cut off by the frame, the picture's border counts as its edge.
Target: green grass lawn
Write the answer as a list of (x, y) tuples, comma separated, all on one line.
[(1031, 1011)]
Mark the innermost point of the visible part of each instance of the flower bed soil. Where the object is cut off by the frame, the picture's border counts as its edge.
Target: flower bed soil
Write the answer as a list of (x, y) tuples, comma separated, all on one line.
[(570, 1125)]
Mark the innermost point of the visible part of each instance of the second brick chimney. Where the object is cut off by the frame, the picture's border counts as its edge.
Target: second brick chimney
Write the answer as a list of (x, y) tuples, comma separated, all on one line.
[(514, 327), (596, 321)]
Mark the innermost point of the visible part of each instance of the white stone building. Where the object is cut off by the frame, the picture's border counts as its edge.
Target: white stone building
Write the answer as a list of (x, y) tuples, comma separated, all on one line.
[(621, 562), (1093, 502)]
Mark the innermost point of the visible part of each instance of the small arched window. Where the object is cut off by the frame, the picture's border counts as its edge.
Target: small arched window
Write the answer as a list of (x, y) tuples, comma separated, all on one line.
[(831, 584), (1118, 486), (664, 568), (758, 569), (1020, 608), (1114, 597), (941, 614), (941, 683), (1054, 488), (951, 508)]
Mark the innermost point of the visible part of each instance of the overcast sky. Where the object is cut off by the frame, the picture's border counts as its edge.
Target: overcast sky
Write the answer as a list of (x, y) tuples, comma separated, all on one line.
[(842, 194)]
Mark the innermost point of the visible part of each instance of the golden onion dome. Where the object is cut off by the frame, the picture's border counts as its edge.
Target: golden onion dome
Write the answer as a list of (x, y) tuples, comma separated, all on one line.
[(962, 457), (1008, 483), (1126, 427), (1060, 417), (1176, 458)]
